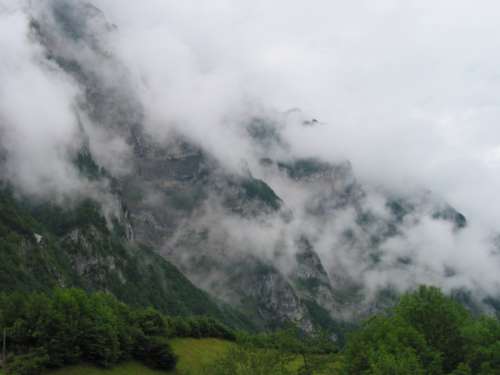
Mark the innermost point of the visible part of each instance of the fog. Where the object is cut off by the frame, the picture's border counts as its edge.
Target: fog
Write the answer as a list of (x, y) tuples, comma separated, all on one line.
[(407, 91)]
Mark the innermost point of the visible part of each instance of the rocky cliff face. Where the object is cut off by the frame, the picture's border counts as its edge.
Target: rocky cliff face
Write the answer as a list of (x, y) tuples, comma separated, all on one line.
[(213, 225)]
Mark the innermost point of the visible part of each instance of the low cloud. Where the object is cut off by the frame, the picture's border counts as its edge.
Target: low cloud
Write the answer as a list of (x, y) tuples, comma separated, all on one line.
[(37, 112), (407, 92)]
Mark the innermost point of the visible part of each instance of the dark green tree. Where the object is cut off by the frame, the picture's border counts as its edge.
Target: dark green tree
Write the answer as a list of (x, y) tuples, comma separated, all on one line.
[(439, 319), (387, 345)]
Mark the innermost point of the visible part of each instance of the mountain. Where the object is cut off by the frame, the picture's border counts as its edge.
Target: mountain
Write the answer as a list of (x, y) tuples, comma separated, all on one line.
[(170, 223)]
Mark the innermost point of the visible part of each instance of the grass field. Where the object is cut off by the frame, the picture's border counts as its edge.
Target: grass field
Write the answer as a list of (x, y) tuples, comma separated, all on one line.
[(193, 354), (129, 368)]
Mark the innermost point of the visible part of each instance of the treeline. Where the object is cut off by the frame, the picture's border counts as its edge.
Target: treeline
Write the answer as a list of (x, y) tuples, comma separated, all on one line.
[(289, 351), (426, 333), (68, 326)]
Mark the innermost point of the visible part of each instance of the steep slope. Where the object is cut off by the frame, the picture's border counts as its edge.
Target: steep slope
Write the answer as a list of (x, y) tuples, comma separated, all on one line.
[(168, 185), (75, 248), (181, 187), (285, 237)]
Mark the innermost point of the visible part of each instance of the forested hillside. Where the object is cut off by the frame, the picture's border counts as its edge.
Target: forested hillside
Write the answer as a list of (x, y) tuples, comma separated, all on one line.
[(45, 246), (425, 333), (68, 326)]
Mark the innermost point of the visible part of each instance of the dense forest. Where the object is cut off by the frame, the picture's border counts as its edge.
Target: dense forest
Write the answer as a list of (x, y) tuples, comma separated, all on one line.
[(425, 333), (68, 326)]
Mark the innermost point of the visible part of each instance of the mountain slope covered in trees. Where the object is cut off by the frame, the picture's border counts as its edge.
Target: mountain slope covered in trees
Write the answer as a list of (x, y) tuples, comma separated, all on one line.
[(45, 246)]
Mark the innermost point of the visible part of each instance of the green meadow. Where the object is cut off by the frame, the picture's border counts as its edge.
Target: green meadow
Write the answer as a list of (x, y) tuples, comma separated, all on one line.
[(194, 355)]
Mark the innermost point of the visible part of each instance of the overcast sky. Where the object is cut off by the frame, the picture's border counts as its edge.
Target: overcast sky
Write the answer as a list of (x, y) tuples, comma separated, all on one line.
[(408, 91)]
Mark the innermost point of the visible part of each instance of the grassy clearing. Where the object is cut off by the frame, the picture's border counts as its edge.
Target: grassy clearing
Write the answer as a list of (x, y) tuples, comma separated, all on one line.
[(129, 368), (332, 366), (193, 354)]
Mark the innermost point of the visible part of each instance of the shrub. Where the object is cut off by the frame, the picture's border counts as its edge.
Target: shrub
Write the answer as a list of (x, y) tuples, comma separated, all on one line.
[(158, 354), (27, 364)]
